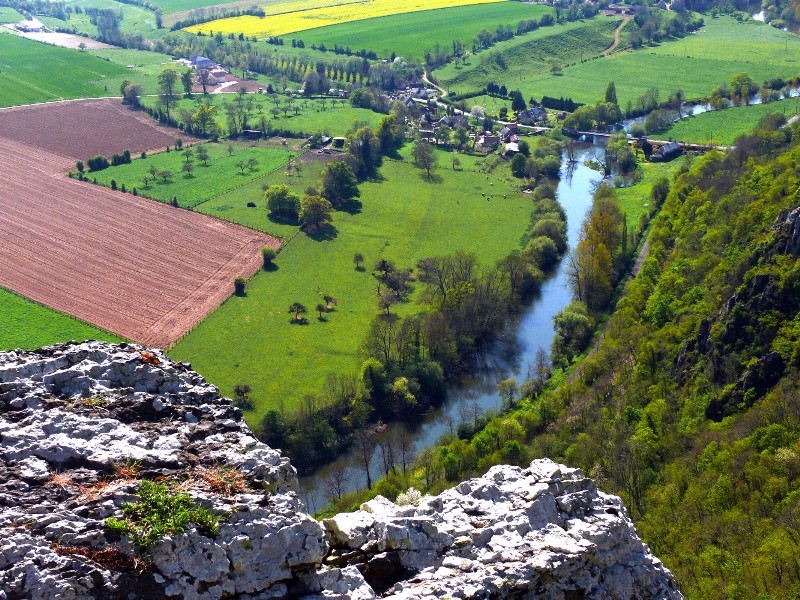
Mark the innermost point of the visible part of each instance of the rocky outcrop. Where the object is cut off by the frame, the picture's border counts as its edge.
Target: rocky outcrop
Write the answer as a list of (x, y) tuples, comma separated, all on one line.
[(81, 425)]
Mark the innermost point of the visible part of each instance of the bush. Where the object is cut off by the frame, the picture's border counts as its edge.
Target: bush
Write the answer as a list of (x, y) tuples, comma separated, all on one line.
[(158, 513), (98, 163), (238, 286), (268, 255), (113, 184)]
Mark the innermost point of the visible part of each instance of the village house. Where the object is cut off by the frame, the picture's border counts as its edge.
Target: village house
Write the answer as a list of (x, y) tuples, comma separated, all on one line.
[(666, 153), (531, 116), (201, 62)]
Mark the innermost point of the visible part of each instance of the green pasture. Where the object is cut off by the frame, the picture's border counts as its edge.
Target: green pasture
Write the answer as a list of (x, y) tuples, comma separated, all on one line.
[(722, 127), (222, 173), (299, 116), (695, 64), (411, 34), (513, 62), (9, 15), (401, 217), (29, 325), (34, 72), (635, 200), (135, 19), (146, 66), (232, 205)]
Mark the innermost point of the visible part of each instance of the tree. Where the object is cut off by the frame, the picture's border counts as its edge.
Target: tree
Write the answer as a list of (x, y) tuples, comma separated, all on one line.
[(167, 82), (242, 165), (363, 151), (204, 116), (131, 94), (166, 175), (315, 211), (238, 286), (456, 162), (252, 163), (187, 154), (358, 258), (424, 157), (241, 396), (204, 79), (339, 183), (611, 93), (231, 149), (188, 168), (202, 154), (518, 163), (507, 388), (742, 87), (282, 202), (298, 310), (186, 82), (460, 138), (268, 255), (321, 308), (517, 102), (390, 133)]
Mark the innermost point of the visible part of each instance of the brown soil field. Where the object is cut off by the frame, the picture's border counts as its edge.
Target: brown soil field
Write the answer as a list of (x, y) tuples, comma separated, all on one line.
[(84, 128), (141, 269)]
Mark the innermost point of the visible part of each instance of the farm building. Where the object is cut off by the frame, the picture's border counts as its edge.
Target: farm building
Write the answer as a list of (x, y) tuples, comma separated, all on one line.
[(29, 26), (532, 115), (201, 62), (666, 152), (218, 76)]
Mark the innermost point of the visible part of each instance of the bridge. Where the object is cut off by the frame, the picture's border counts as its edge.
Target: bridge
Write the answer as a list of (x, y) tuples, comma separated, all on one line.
[(592, 135)]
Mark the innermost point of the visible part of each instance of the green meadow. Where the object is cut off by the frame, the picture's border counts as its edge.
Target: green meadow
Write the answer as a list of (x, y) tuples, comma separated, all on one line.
[(9, 15), (297, 115), (26, 324), (513, 62), (695, 64), (224, 171), (34, 72), (400, 217), (722, 127), (411, 34), (635, 200)]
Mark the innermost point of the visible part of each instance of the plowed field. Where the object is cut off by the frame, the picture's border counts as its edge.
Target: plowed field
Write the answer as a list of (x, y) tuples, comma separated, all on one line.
[(138, 268), (81, 129)]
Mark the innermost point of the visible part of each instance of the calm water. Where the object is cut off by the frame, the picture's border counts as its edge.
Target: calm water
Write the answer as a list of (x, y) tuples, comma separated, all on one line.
[(477, 392)]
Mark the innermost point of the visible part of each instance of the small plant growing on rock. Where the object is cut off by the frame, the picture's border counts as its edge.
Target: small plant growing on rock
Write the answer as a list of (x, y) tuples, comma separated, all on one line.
[(411, 497), (160, 512)]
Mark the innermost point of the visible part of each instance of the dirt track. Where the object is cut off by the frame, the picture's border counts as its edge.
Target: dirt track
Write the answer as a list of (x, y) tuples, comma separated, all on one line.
[(136, 267)]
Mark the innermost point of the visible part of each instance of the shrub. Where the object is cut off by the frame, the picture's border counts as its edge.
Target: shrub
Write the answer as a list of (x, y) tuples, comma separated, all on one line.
[(113, 184), (134, 192), (268, 255), (238, 286), (98, 163), (79, 166), (160, 512), (251, 205), (143, 154)]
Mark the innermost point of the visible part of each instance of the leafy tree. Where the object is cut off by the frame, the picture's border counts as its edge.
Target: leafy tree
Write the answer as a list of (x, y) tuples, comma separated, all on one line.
[(204, 116), (186, 82), (239, 284), (461, 138), (268, 255), (358, 258), (363, 151), (518, 163), (315, 211), (165, 175), (321, 308), (424, 158), (188, 154), (131, 93), (456, 162), (390, 133), (339, 183), (611, 93), (298, 310), (98, 163), (188, 168), (252, 163), (241, 396), (202, 154), (167, 82), (282, 202), (518, 102)]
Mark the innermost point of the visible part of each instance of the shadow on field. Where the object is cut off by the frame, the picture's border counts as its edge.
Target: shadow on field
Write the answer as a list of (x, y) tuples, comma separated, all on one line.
[(433, 178), (283, 220), (324, 233), (351, 207)]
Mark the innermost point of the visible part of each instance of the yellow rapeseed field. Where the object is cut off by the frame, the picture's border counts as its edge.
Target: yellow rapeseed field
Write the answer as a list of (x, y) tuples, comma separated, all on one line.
[(301, 20)]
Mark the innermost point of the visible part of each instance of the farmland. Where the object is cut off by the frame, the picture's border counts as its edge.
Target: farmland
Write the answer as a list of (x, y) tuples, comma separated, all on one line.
[(303, 20), (413, 33), (26, 324), (402, 218), (696, 64), (33, 72), (724, 126), (224, 171), (9, 15), (122, 128), (298, 116), (513, 62)]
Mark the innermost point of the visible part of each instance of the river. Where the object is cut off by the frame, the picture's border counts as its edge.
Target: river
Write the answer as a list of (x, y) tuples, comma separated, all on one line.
[(475, 393)]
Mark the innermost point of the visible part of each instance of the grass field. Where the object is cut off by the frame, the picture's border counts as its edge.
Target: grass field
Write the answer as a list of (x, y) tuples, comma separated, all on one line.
[(135, 19), (221, 175), (515, 61), (34, 72), (696, 64), (26, 324), (724, 126), (232, 205), (9, 15), (332, 118), (410, 35), (402, 218), (302, 20), (635, 200)]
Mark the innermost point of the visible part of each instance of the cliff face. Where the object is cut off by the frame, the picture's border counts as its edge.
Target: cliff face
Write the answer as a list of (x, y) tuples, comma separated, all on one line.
[(81, 425)]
